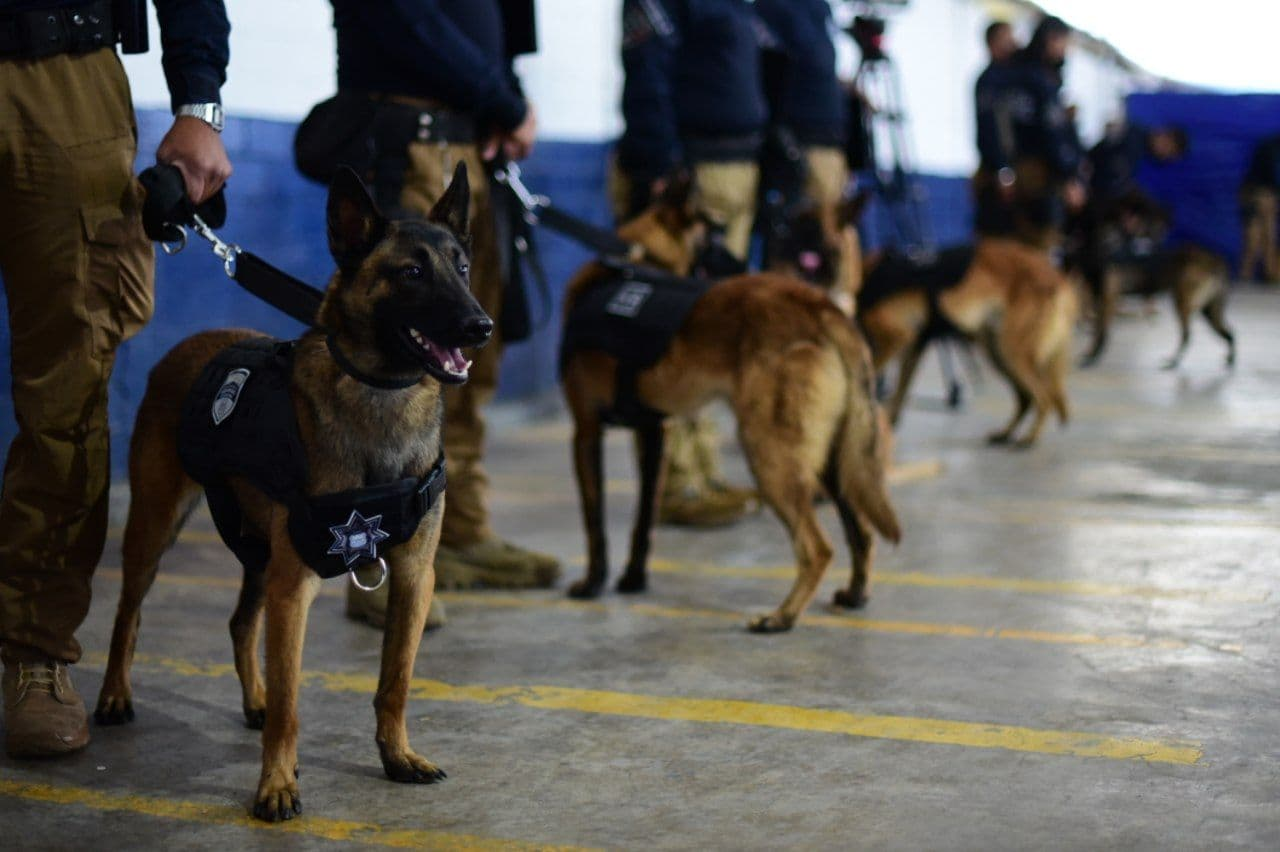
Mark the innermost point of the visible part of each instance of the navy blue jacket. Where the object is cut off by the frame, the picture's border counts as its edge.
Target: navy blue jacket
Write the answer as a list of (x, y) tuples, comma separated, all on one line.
[(1115, 162), (193, 41), (992, 96), (692, 70), (811, 101), (1042, 129), (455, 51)]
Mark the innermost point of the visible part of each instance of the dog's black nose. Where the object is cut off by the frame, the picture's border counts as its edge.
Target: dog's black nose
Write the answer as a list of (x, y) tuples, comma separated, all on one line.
[(478, 329)]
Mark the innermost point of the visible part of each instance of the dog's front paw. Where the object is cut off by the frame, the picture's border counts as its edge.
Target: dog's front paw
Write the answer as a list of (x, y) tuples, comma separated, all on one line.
[(113, 710), (278, 798), (850, 599), (587, 588), (633, 582), (999, 438), (772, 623), (411, 768)]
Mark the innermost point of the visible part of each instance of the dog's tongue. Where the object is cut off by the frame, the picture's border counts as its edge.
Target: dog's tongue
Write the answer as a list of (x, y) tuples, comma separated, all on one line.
[(810, 261), (451, 359)]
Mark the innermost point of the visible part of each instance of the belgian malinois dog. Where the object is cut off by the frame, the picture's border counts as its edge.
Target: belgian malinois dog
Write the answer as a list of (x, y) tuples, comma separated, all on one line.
[(819, 244), (1197, 278), (798, 378), (1014, 302), (398, 307)]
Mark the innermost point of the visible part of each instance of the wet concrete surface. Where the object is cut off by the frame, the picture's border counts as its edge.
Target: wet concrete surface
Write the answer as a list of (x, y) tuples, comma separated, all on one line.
[(1074, 648)]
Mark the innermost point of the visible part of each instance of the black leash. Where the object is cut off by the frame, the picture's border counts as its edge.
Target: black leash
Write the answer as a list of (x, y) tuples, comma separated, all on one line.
[(539, 210)]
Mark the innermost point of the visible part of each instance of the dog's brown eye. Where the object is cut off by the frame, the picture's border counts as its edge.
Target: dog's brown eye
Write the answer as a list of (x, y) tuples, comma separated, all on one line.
[(411, 272)]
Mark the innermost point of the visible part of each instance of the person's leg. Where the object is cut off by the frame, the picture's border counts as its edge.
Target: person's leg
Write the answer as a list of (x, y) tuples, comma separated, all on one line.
[(828, 176), (726, 192), (77, 272), (1269, 207)]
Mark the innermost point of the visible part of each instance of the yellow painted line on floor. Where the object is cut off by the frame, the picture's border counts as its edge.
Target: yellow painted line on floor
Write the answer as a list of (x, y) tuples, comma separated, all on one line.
[(231, 816), (1025, 585), (489, 600), (749, 713)]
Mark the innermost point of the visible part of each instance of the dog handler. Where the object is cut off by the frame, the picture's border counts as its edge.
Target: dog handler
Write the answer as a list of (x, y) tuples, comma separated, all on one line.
[(693, 97), (77, 272), (451, 59)]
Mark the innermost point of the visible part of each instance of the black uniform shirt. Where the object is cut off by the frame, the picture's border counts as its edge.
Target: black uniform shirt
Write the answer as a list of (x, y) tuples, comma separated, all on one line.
[(692, 70), (811, 101), (992, 95), (193, 40), (1115, 162), (1042, 129), (454, 51)]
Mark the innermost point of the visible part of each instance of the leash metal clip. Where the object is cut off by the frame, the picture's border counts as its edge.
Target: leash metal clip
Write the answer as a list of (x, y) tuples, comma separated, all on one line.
[(227, 251), (510, 175), (382, 577)]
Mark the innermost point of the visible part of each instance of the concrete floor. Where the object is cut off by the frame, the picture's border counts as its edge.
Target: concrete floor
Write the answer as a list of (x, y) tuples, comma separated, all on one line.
[(1073, 648)]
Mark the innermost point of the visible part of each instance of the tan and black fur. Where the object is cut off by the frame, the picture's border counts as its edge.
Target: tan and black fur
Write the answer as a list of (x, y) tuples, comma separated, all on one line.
[(798, 378), (354, 435), (1015, 303)]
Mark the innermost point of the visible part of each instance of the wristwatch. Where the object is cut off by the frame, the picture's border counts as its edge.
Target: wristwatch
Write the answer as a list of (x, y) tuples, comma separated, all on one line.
[(210, 114), (1006, 176)]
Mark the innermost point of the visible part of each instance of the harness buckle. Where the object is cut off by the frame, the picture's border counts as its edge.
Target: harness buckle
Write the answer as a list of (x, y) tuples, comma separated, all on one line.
[(382, 576)]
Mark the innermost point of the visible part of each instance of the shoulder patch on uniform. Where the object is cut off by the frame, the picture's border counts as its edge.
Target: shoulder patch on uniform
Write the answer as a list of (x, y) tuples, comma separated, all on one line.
[(644, 19), (224, 402), (628, 301)]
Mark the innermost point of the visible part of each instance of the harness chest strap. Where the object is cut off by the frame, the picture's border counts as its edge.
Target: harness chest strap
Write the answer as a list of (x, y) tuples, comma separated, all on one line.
[(238, 420)]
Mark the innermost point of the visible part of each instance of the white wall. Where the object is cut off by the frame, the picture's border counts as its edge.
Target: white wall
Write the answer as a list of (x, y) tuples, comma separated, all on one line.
[(282, 61)]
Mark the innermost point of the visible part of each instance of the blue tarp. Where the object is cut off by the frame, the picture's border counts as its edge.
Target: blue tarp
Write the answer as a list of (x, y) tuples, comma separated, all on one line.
[(1201, 189)]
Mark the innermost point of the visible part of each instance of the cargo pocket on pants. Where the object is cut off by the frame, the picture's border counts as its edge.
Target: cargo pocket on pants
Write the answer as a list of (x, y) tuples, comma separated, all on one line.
[(120, 296)]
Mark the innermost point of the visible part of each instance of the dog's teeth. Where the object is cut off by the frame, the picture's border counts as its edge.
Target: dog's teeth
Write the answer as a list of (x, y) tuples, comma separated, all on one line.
[(467, 367)]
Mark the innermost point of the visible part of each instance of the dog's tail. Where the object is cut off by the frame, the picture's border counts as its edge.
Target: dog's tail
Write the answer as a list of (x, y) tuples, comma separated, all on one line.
[(863, 444)]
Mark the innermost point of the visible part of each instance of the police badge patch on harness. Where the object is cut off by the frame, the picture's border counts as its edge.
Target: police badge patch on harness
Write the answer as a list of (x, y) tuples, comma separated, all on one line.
[(224, 402), (357, 539), (628, 301)]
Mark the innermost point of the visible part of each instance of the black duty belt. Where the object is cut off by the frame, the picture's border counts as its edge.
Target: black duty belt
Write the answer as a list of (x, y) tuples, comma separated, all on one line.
[(723, 149), (73, 28), (406, 120)]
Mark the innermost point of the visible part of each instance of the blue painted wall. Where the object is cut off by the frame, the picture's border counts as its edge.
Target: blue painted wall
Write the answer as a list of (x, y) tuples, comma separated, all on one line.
[(280, 216), (1201, 190)]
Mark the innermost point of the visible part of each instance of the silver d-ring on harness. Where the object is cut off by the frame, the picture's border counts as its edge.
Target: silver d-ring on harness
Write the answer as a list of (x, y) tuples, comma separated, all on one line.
[(382, 577), (177, 245)]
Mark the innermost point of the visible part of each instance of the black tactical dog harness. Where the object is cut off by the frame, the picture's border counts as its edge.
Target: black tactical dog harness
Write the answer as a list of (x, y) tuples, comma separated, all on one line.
[(632, 315), (898, 273), (238, 420)]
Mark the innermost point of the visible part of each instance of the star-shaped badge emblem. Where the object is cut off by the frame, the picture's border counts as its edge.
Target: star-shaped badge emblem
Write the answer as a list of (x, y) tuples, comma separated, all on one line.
[(358, 538)]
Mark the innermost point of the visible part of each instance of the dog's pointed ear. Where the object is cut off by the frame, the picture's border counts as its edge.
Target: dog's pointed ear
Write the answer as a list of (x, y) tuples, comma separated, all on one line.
[(852, 209), (453, 210), (355, 225)]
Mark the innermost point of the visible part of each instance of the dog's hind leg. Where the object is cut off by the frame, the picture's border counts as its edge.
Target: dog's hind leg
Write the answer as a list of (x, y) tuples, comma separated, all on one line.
[(1183, 306), (906, 373), (649, 442), (788, 487), (246, 630), (1021, 395), (412, 581), (861, 547), (1106, 292), (1215, 313), (588, 462), (161, 499), (290, 588)]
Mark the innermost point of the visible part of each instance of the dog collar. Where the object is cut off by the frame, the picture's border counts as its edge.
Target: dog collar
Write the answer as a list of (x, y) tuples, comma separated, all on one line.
[(380, 382)]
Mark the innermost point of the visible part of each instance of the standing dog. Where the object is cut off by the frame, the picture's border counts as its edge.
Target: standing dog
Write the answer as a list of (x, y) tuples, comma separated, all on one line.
[(798, 378), (1009, 297), (396, 314)]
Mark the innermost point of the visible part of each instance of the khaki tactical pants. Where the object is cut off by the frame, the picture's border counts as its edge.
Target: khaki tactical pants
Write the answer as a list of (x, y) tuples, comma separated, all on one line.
[(1261, 206), (828, 175), (466, 512), (77, 272), (726, 192)]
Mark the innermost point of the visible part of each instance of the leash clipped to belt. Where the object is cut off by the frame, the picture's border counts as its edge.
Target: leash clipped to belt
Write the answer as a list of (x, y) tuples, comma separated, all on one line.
[(539, 210), (168, 213)]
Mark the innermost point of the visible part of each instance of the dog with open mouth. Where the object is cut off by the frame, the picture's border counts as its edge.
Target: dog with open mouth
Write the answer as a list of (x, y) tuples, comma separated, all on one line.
[(317, 456)]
